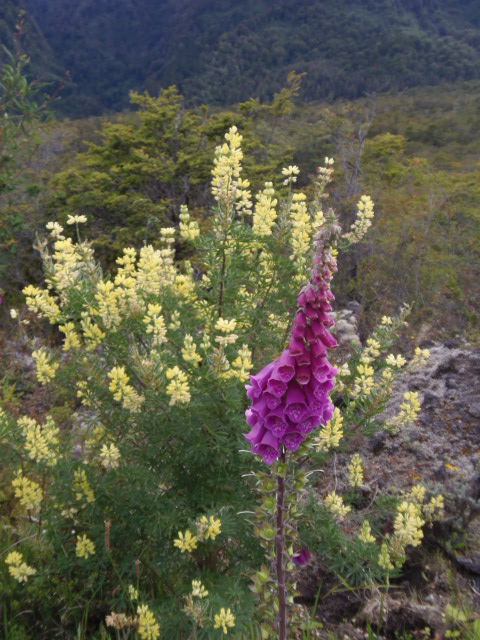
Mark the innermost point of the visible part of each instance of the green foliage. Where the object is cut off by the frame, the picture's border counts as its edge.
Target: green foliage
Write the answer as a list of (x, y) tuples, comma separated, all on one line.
[(223, 53)]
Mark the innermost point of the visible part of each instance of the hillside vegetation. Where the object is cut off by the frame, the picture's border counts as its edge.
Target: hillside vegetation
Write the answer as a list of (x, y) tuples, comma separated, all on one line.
[(224, 52)]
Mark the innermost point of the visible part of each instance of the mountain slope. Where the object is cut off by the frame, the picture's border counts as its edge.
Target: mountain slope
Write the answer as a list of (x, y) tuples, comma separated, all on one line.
[(223, 52)]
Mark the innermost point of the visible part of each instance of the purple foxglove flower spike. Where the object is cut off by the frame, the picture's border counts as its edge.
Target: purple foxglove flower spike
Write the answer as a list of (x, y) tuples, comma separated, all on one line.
[(290, 395)]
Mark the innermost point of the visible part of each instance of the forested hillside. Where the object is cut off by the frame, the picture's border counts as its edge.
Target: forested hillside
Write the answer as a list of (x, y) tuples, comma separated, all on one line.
[(224, 52)]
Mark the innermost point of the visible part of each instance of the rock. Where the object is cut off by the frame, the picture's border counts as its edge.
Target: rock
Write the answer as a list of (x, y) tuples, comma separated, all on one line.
[(474, 409)]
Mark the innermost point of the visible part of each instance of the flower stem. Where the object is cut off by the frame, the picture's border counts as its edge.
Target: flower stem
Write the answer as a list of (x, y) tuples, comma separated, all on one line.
[(279, 547)]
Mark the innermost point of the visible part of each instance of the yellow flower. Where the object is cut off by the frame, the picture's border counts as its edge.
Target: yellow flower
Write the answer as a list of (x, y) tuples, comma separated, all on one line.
[(76, 219), (124, 392), (185, 542), (81, 487), (224, 619), (18, 569), (28, 491), (84, 547), (178, 388), (110, 456), (72, 341), (40, 440), (189, 229), (225, 326), (355, 471), (330, 434), (384, 560), (148, 628), (264, 214), (208, 528), (45, 365), (198, 590), (189, 351), (335, 505), (363, 222), (365, 534)]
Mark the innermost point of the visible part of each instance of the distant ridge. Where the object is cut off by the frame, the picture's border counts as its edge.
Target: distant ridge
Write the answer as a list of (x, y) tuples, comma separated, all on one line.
[(224, 52)]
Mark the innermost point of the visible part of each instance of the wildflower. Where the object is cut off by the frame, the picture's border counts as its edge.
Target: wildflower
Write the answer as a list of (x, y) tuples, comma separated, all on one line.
[(264, 214), (72, 341), (355, 471), (224, 619), (331, 433), (189, 229), (242, 365), (189, 351), (384, 560), (301, 557), (177, 388), (363, 383), (148, 628), (92, 334), (334, 503), (228, 189), (13, 314), (198, 590), (18, 569), (397, 361), (40, 440), (110, 456), (208, 528), (363, 222), (28, 491), (122, 391), (365, 534), (225, 326), (175, 321), (437, 504), (84, 547), (408, 524), (76, 219), (45, 366), (41, 303), (420, 358), (301, 231), (290, 173), (290, 395), (132, 592), (185, 542), (81, 486), (408, 413), (119, 620), (56, 230)]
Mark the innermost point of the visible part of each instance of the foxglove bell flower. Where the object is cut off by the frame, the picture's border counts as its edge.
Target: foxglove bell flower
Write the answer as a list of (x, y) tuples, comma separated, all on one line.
[(289, 396)]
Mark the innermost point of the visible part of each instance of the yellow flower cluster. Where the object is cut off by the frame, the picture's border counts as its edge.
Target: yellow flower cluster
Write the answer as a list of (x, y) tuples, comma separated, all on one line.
[(384, 560), (370, 351), (334, 503), (76, 219), (189, 351), (28, 491), (408, 524), (408, 413), (92, 334), (41, 303), (228, 188), (355, 471), (56, 229), (397, 362), (45, 366), (81, 487), (185, 542), (155, 270), (331, 434), (363, 383), (208, 528), (110, 456), (178, 388), (40, 440), (148, 628), (420, 358), (122, 391), (18, 569), (68, 262), (301, 232), (264, 214), (185, 286), (363, 222), (84, 547), (291, 172), (155, 325), (224, 619), (198, 590), (189, 229), (365, 534), (72, 341), (108, 304), (242, 365)]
